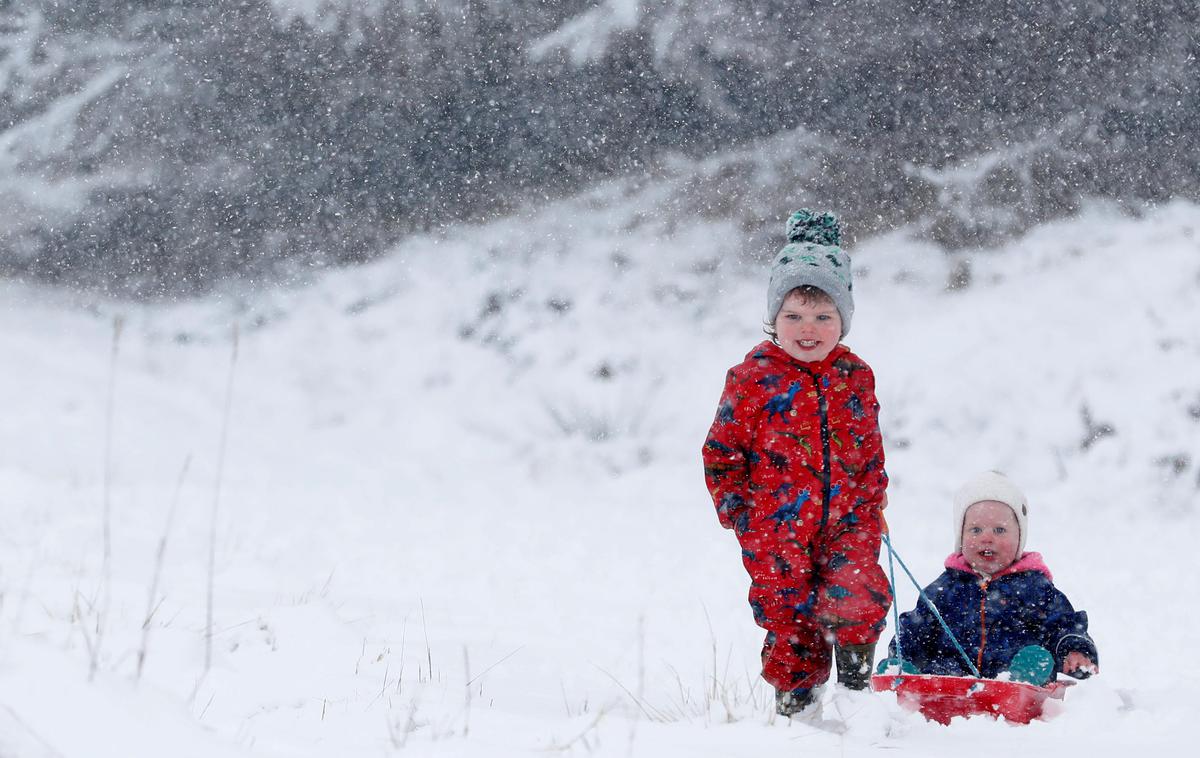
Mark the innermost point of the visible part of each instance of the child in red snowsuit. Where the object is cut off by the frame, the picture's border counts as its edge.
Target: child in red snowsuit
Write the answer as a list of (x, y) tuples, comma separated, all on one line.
[(794, 462)]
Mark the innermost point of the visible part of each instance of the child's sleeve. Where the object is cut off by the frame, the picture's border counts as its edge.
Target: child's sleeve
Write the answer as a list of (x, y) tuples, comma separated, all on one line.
[(727, 453), (1066, 630)]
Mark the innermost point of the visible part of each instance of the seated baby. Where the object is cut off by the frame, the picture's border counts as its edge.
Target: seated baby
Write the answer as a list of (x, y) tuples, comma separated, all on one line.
[(998, 600)]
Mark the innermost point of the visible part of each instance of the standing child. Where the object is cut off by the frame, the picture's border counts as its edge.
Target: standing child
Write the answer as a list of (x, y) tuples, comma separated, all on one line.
[(794, 463), (998, 600)]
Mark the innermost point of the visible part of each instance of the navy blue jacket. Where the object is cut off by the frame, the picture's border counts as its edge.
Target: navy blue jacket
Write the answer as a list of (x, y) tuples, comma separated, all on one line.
[(992, 619)]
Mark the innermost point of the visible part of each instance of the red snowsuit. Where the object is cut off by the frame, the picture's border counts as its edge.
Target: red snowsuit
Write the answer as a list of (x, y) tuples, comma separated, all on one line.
[(794, 463)]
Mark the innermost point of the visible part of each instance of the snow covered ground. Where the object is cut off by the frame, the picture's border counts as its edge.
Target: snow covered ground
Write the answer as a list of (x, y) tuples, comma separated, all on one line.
[(461, 510)]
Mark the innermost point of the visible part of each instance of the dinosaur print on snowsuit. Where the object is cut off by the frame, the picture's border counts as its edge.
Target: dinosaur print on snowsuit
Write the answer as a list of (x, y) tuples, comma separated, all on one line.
[(794, 463)]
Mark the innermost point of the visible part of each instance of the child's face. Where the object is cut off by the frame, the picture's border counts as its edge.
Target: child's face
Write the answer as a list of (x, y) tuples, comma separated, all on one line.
[(807, 327), (990, 536)]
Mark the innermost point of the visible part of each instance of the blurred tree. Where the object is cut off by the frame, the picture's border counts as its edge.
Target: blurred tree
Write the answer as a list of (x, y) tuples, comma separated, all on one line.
[(157, 147)]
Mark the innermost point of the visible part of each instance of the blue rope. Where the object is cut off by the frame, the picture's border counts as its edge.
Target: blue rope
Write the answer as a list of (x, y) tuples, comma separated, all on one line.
[(895, 605), (932, 607)]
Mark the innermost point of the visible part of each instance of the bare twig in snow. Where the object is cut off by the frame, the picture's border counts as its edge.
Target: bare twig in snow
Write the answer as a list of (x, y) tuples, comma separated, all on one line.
[(212, 535), (106, 570), (152, 600)]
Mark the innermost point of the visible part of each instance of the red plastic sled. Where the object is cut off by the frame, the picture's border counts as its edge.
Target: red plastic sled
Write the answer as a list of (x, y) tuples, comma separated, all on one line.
[(941, 698)]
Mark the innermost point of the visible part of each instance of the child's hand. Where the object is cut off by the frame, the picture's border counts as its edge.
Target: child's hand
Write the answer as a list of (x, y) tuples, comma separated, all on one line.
[(1079, 665)]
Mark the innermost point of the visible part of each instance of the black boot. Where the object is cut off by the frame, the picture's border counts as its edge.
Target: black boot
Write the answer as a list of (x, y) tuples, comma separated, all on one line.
[(790, 702), (854, 665)]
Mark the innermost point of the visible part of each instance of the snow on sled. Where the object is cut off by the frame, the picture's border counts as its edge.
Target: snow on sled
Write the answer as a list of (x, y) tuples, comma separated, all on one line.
[(941, 698)]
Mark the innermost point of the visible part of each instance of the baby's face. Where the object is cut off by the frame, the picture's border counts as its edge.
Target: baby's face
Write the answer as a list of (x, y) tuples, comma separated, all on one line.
[(990, 536)]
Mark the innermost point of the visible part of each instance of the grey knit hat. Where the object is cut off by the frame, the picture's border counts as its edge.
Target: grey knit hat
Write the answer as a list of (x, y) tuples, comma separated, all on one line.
[(990, 485), (813, 257)]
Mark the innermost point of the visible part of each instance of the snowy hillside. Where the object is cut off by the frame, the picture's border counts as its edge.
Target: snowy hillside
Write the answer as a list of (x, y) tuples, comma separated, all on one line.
[(461, 510)]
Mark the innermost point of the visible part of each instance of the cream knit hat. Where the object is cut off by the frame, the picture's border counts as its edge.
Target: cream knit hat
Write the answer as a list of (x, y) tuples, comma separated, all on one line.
[(990, 485)]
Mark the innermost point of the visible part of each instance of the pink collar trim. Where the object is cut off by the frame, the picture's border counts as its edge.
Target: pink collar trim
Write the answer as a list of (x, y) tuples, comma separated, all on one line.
[(1027, 562)]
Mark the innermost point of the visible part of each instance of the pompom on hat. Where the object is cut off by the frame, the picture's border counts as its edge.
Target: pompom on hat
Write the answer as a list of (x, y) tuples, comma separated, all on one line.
[(990, 485), (813, 256)]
